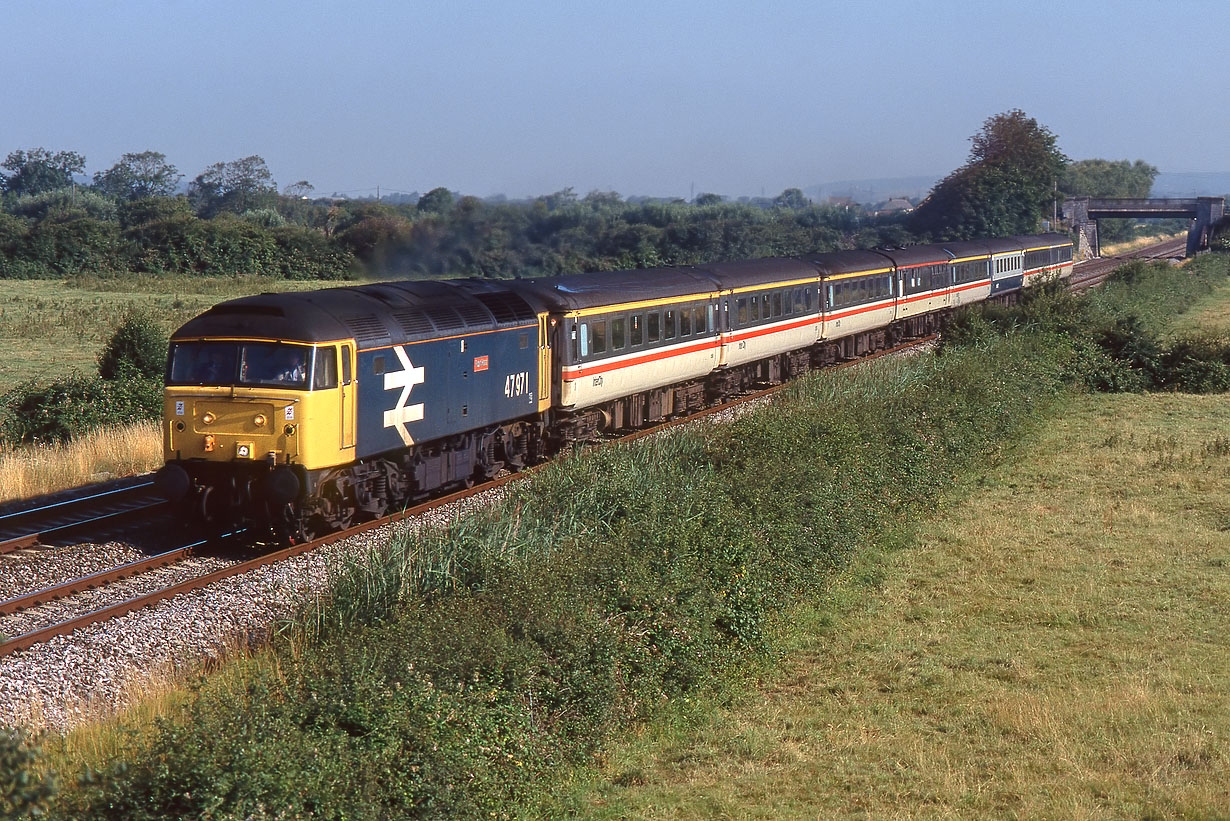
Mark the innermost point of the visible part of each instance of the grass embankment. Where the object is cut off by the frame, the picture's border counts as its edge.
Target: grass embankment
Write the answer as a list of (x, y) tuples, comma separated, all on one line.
[(1052, 645), (465, 670)]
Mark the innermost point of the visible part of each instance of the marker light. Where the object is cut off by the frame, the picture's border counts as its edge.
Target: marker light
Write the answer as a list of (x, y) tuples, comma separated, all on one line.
[(243, 451), (208, 418), (259, 420), (209, 442)]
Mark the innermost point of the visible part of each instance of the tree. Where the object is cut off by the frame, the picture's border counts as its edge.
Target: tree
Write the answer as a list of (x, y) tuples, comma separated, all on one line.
[(1004, 187), (139, 176), (1107, 178), (237, 186), (436, 201), (38, 170), (298, 190), (791, 198), (707, 199)]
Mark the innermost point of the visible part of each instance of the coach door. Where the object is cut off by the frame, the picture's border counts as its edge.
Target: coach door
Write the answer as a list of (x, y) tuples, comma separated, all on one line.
[(347, 395)]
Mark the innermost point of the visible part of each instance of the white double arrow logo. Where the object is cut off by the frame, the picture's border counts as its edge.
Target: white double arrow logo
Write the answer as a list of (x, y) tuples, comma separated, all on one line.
[(406, 379)]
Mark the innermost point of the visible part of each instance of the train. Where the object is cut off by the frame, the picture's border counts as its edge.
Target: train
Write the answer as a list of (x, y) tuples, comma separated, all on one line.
[(298, 414)]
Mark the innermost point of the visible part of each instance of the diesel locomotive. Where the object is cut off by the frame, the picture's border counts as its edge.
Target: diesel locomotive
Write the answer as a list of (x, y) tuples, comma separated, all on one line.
[(303, 413)]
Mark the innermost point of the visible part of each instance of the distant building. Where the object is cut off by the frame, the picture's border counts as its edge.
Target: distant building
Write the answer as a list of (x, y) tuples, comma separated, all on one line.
[(841, 202), (897, 205)]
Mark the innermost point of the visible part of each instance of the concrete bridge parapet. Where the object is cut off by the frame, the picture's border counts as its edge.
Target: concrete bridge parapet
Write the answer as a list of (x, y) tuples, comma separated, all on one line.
[(1083, 214)]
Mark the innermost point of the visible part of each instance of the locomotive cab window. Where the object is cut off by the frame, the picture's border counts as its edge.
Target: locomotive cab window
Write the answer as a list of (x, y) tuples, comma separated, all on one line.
[(324, 369), (253, 364)]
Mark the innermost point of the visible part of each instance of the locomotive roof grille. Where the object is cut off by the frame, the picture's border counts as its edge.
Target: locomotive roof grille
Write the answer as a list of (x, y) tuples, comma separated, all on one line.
[(367, 329), (414, 322), (506, 307), (445, 318)]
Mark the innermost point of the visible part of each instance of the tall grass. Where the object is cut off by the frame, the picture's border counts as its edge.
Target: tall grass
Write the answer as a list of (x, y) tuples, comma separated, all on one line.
[(99, 455)]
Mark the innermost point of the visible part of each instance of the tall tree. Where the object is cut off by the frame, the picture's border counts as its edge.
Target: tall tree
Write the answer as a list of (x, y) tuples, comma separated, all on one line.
[(237, 186), (39, 170), (1108, 178), (1005, 186), (138, 176)]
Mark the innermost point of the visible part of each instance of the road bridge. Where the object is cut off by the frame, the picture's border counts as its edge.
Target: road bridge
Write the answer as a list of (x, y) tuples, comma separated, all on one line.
[(1083, 214)]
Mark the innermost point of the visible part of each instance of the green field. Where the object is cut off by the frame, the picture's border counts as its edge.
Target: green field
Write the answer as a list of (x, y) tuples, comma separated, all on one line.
[(51, 327)]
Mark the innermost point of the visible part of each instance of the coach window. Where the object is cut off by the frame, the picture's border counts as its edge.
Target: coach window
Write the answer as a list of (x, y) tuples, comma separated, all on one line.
[(764, 306), (685, 322), (638, 330), (597, 337), (584, 340), (617, 334), (698, 320), (654, 326), (742, 311), (777, 304), (668, 320)]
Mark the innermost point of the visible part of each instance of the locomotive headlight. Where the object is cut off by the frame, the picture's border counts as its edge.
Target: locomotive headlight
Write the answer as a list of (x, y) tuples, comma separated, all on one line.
[(259, 420), (208, 418), (243, 450)]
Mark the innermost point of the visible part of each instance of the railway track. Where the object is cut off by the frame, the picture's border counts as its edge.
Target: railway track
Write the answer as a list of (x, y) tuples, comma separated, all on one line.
[(91, 509), (130, 501), (1095, 271), (71, 588)]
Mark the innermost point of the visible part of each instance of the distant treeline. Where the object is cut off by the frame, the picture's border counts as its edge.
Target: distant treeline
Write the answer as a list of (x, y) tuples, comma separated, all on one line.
[(233, 220)]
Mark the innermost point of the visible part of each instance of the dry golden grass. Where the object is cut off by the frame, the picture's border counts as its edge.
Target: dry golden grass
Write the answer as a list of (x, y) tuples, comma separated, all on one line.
[(1139, 242), (1054, 647), (97, 456)]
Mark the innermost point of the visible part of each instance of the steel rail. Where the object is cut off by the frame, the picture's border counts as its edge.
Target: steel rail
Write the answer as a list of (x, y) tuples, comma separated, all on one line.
[(34, 537), (100, 579), (16, 514)]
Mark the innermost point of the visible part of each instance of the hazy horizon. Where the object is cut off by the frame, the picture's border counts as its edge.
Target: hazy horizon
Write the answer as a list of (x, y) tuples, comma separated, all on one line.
[(641, 98)]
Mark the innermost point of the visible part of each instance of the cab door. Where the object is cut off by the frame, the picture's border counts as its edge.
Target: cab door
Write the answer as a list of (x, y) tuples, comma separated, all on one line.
[(348, 391), (544, 361)]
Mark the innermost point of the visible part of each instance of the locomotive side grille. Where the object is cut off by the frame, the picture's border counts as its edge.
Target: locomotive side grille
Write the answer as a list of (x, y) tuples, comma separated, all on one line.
[(413, 321), (367, 329), (506, 307)]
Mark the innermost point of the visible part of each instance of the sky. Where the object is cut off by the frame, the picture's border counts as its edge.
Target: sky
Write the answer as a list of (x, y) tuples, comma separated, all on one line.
[(657, 98)]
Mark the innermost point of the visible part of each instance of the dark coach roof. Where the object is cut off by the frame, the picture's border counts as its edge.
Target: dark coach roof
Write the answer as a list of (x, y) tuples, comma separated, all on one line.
[(575, 292), (729, 275), (968, 248), (848, 262)]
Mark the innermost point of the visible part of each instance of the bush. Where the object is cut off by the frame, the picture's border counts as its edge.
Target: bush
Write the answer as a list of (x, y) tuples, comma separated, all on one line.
[(136, 350), (56, 412), (23, 791)]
